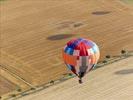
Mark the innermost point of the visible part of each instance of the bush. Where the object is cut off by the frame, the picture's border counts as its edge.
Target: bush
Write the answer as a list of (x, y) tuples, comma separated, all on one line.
[(0, 97), (104, 61), (51, 82), (32, 88), (123, 51), (108, 56), (13, 95), (70, 74), (19, 90)]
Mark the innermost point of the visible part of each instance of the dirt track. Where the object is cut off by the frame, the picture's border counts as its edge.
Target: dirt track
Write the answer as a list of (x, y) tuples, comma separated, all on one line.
[(112, 82), (34, 32)]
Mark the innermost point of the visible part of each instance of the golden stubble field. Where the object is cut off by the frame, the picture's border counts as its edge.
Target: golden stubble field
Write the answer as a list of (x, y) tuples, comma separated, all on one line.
[(33, 34), (113, 82)]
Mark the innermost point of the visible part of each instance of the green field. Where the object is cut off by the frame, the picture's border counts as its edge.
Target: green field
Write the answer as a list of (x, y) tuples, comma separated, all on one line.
[(128, 1), (1, 0)]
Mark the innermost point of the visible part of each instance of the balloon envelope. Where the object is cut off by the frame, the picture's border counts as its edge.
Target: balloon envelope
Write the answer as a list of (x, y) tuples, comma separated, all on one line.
[(80, 55)]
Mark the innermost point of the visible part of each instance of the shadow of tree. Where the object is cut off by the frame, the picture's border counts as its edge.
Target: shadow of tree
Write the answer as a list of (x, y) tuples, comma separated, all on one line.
[(125, 71), (101, 12), (60, 36)]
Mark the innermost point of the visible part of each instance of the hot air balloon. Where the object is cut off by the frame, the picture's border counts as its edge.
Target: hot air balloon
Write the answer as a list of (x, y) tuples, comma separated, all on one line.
[(80, 56)]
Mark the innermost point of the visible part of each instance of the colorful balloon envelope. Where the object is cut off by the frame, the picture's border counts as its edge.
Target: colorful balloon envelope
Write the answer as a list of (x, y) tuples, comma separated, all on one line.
[(80, 56)]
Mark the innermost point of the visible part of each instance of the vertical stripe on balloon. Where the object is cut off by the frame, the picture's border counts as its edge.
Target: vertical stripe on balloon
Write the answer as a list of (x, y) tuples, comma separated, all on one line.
[(76, 53)]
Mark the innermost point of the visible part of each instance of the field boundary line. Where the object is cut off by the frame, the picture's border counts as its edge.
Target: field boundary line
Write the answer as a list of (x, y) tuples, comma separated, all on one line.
[(16, 76)]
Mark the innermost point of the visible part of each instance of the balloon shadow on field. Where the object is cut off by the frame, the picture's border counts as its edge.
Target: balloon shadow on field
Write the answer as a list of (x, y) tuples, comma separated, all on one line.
[(124, 72), (101, 12), (60, 36)]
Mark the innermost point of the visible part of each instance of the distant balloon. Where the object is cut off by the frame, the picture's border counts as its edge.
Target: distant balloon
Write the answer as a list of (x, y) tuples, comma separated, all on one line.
[(80, 56)]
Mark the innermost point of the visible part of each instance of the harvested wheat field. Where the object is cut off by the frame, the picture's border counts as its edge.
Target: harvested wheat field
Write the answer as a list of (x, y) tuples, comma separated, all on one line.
[(112, 82), (5, 85), (33, 33)]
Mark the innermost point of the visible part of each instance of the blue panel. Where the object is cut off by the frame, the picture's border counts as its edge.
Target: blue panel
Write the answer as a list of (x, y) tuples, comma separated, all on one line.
[(74, 44), (80, 39), (66, 49), (95, 49), (69, 51)]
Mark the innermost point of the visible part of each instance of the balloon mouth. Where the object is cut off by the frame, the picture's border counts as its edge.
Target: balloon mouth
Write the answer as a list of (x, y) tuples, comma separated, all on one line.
[(80, 81)]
